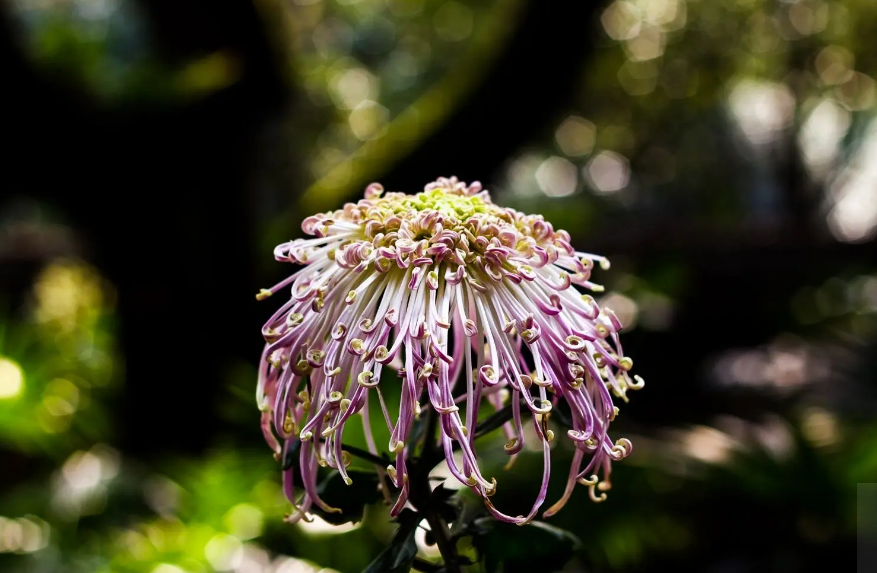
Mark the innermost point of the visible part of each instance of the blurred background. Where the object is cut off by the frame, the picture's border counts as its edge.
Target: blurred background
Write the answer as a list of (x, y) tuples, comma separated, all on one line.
[(722, 153)]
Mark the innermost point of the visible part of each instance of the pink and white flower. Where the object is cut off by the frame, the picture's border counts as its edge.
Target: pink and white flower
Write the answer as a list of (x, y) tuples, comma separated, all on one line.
[(471, 303)]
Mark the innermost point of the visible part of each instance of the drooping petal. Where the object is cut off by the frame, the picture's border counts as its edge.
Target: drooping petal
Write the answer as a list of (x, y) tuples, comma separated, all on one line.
[(471, 303)]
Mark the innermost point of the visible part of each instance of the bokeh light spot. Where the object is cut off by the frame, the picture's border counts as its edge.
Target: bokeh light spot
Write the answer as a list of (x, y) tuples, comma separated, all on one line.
[(821, 135), (352, 87), (638, 78), (521, 174), (858, 93), (624, 308), (11, 379), (668, 14), (244, 521), (453, 21), (761, 109), (608, 172), (11, 535), (224, 552), (26, 534), (708, 444), (34, 534), (68, 294), (808, 17), (168, 568), (834, 65), (368, 120), (557, 177), (854, 216), (162, 494), (61, 397), (647, 45), (820, 427), (622, 20), (575, 136)]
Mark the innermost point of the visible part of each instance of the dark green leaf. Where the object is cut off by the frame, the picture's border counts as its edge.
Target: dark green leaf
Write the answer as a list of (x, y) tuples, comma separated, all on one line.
[(562, 415), (445, 502), (418, 428), (443, 494), (350, 499), (535, 547), (407, 519), (399, 556), (290, 453)]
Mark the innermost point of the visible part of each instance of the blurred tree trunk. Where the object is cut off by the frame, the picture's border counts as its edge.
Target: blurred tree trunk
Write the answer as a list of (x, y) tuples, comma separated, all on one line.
[(513, 104)]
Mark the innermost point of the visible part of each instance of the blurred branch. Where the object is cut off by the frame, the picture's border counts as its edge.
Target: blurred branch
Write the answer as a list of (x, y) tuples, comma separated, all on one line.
[(422, 118), (476, 116)]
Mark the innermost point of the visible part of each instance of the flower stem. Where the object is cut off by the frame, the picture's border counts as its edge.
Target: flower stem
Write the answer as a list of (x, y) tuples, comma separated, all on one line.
[(446, 545), (421, 497)]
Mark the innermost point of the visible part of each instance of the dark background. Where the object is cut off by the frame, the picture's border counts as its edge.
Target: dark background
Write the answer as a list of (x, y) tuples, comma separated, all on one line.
[(156, 151)]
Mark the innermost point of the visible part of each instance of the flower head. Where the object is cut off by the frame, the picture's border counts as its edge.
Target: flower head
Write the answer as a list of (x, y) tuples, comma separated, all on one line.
[(470, 303)]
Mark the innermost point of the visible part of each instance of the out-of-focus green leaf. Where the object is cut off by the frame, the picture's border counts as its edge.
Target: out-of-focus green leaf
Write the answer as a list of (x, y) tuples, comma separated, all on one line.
[(510, 548), (446, 502), (399, 556), (350, 499)]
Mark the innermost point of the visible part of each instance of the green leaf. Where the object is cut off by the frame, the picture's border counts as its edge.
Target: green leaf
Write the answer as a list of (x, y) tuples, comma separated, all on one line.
[(535, 547), (350, 499), (290, 455), (399, 556), (446, 502)]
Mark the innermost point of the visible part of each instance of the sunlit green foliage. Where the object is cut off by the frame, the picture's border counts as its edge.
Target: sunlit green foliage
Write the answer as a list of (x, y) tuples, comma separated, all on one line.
[(103, 48), (58, 363)]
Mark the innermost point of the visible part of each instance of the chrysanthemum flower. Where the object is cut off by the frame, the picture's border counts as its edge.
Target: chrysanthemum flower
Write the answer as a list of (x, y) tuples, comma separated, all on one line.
[(470, 302)]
